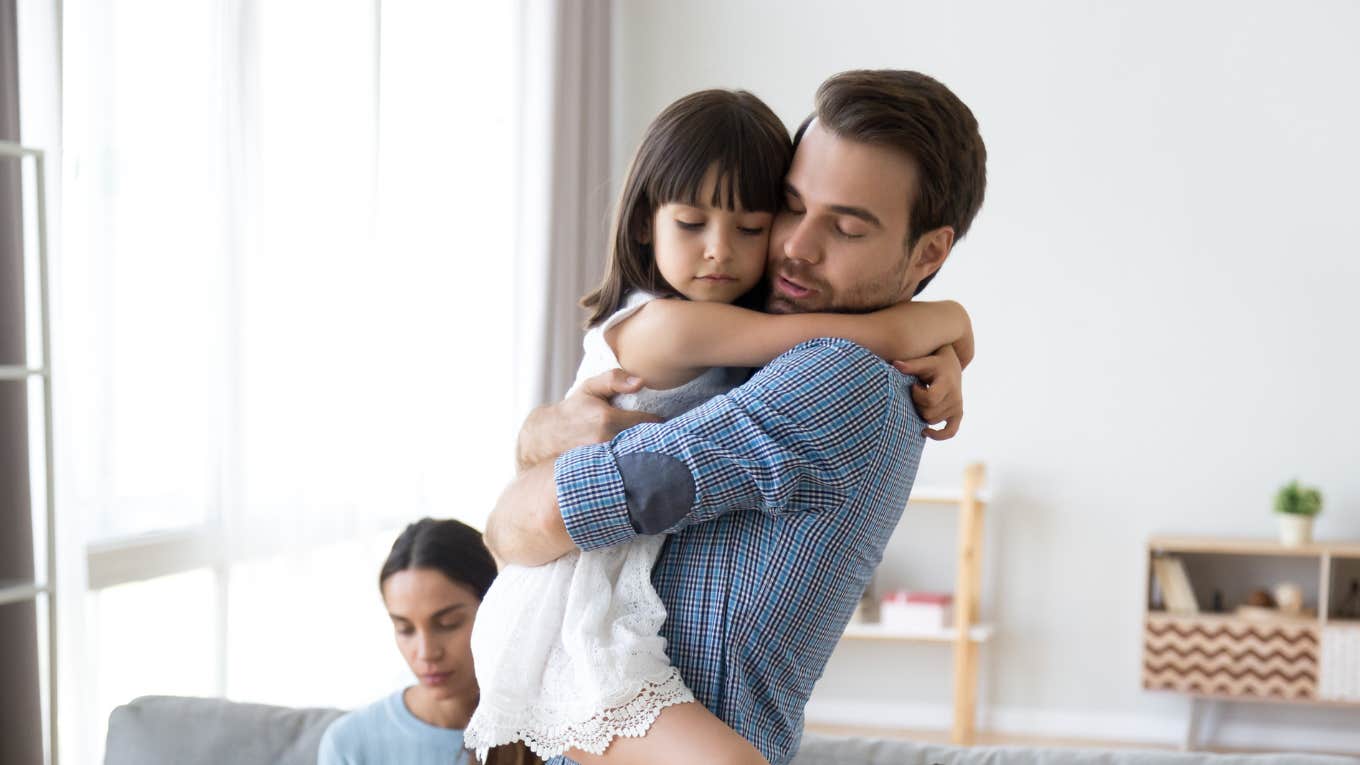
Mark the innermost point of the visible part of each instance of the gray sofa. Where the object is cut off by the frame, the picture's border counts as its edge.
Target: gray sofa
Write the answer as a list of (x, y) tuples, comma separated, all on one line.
[(173, 730), (168, 730)]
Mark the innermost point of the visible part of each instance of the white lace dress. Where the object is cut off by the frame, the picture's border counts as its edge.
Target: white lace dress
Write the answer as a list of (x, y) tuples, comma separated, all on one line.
[(568, 654)]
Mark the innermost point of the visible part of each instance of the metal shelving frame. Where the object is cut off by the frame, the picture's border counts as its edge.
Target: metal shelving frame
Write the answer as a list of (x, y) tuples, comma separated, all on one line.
[(31, 591)]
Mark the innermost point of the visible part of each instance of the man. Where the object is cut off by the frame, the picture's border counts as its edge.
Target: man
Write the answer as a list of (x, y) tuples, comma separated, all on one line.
[(781, 495)]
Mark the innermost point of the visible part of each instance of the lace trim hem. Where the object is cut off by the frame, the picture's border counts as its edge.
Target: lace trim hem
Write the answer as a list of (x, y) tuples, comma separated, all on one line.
[(547, 735)]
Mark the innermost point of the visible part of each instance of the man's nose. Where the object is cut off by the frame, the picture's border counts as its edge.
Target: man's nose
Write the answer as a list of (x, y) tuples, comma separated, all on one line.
[(803, 243)]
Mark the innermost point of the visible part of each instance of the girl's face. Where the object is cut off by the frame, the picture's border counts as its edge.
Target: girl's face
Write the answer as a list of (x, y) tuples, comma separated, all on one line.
[(433, 617), (708, 253)]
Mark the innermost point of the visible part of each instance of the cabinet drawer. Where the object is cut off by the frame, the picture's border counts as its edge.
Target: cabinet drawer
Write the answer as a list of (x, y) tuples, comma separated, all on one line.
[(1223, 656), (1340, 663)]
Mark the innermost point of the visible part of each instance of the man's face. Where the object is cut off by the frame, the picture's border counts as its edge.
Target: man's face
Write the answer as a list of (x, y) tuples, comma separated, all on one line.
[(840, 243)]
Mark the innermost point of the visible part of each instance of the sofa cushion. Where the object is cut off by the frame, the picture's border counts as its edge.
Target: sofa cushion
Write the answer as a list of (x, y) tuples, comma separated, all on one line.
[(174, 730)]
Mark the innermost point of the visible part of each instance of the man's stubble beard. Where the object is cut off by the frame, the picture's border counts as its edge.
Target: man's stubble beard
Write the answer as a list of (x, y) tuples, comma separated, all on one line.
[(867, 296)]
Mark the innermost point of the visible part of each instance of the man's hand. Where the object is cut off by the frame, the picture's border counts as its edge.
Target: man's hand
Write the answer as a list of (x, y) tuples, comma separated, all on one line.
[(584, 417), (526, 527), (940, 399)]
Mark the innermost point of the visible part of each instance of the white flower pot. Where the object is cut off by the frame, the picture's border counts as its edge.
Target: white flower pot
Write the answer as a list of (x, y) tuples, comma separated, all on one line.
[(1295, 530)]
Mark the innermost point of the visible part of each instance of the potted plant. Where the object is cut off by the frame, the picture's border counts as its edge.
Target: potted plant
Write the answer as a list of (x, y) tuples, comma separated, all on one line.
[(1296, 506)]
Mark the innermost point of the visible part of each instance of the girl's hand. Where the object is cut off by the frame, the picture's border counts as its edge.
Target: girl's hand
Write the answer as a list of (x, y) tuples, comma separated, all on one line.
[(940, 398)]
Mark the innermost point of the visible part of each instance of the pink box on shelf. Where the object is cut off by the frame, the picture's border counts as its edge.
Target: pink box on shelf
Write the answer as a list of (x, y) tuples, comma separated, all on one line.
[(916, 611)]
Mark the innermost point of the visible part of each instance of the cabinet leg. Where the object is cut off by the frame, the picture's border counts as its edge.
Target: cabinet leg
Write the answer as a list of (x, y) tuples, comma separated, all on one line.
[(1192, 724)]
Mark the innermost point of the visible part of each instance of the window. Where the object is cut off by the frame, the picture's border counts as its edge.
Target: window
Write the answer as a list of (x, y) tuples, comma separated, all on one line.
[(155, 637), (145, 248), (285, 326)]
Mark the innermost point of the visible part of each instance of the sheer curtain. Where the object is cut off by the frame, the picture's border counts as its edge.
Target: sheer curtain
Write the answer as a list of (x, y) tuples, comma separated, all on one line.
[(565, 186), (309, 286)]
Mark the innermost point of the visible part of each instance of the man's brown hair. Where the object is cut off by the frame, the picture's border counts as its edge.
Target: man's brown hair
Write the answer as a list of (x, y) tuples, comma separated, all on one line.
[(919, 116)]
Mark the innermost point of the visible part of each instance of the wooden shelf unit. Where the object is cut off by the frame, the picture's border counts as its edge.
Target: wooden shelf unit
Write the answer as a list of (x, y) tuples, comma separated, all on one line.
[(967, 633), (1225, 657), (1246, 546)]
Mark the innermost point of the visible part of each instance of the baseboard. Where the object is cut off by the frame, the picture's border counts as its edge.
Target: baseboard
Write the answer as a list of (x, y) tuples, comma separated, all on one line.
[(1257, 733)]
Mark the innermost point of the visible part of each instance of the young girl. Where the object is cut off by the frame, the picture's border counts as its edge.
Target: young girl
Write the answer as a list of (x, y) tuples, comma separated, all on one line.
[(568, 655)]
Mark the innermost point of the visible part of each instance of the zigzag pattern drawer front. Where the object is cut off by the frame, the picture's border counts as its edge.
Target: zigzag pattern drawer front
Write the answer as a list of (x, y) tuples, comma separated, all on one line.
[(1230, 657)]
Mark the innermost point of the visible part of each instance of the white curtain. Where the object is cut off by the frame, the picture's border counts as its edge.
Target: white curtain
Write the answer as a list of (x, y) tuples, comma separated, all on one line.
[(318, 259), (565, 180)]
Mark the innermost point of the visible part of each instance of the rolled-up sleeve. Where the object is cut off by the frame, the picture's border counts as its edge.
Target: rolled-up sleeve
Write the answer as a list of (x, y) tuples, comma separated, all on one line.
[(592, 497), (796, 438)]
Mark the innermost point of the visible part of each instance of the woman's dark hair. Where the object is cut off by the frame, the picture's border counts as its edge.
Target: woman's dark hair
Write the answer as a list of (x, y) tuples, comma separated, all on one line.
[(452, 548), (731, 129)]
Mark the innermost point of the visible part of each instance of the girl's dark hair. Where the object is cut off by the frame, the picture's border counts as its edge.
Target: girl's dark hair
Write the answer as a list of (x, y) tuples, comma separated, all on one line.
[(452, 548), (731, 129)]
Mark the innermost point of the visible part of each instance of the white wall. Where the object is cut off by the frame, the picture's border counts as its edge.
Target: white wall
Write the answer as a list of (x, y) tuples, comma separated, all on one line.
[(1162, 282)]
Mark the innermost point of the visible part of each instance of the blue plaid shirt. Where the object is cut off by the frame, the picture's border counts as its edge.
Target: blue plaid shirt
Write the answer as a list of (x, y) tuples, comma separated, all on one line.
[(791, 485)]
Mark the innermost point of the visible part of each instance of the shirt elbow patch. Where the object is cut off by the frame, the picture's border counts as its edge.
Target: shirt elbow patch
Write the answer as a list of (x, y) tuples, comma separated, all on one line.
[(659, 489)]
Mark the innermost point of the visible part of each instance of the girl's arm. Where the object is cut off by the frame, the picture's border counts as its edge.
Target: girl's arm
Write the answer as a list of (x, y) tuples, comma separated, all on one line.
[(670, 342)]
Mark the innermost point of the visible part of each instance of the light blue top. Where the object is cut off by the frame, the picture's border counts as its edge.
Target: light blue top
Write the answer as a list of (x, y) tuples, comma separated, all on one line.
[(386, 731)]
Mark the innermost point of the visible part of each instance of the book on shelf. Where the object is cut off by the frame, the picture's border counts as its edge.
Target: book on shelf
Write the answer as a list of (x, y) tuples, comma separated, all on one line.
[(1177, 593)]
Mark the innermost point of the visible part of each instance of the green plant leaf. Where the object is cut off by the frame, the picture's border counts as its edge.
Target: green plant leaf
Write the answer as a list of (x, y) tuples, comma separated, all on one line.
[(1294, 499)]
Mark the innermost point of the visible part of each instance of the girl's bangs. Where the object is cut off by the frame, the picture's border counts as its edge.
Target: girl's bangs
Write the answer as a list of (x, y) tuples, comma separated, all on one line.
[(750, 168)]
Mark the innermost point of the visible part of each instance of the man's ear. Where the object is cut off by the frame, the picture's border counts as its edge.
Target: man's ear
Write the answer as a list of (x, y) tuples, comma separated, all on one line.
[(930, 252)]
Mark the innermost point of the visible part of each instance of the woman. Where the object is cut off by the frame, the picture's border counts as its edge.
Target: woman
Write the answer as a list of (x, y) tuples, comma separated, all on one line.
[(432, 583)]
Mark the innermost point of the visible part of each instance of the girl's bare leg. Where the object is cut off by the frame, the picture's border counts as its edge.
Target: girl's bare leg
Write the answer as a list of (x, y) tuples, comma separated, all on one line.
[(683, 734)]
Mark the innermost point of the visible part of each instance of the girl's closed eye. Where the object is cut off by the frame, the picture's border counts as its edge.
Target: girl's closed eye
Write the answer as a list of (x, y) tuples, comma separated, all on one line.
[(689, 225), (751, 230)]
